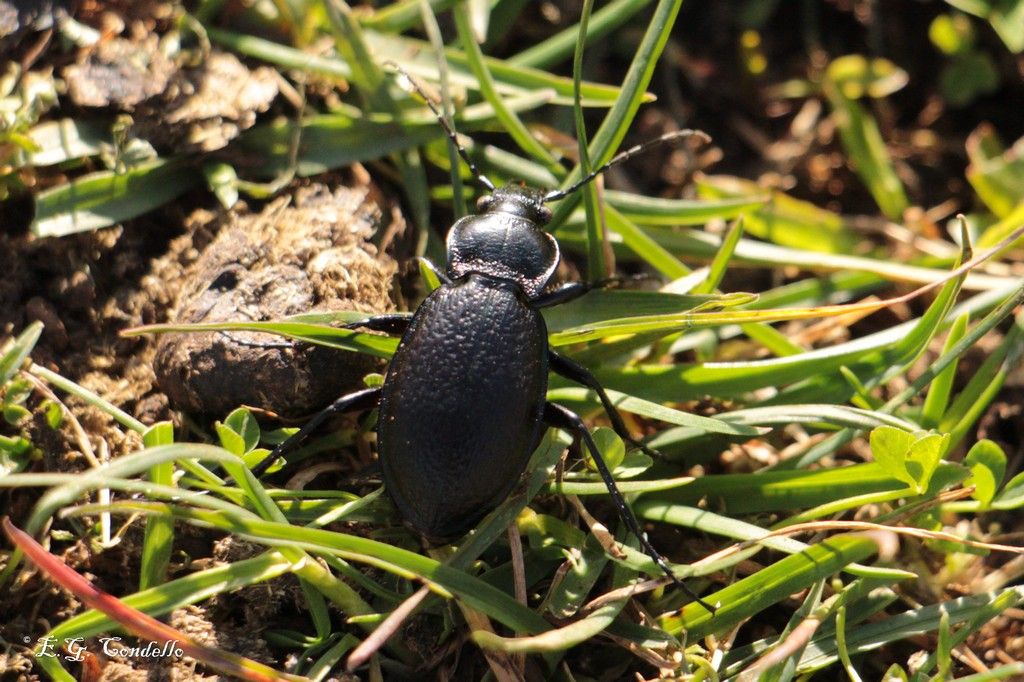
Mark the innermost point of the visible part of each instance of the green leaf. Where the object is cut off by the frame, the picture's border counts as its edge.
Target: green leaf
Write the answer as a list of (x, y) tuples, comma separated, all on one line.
[(987, 463), (13, 414), (855, 76), (400, 16), (895, 673), (643, 245), (924, 456), (488, 89), (15, 355), (230, 439), (161, 433), (416, 57), (604, 306), (674, 212), (301, 329), (656, 411), (721, 261), (15, 445), (984, 384), (996, 174), (1012, 495), (1006, 17), (54, 413), (597, 245), (245, 425), (870, 636), (890, 446), (609, 445), (951, 33), (967, 77), (1001, 229), (911, 458), (329, 141), (223, 182), (190, 589), (773, 491)]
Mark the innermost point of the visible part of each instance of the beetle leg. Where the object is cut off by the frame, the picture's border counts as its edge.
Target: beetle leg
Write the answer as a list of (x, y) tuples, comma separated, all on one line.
[(563, 294), (572, 370), (351, 402), (570, 291), (563, 418), (394, 323)]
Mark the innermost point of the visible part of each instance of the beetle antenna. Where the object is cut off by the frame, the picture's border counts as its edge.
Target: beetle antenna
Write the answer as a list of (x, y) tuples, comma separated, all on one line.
[(625, 156), (452, 136)]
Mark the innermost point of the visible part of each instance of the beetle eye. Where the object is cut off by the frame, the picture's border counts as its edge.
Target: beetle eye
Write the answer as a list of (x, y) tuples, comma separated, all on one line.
[(544, 215), (484, 203)]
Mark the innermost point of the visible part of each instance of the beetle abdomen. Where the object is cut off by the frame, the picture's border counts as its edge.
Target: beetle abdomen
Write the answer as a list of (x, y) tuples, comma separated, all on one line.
[(461, 407)]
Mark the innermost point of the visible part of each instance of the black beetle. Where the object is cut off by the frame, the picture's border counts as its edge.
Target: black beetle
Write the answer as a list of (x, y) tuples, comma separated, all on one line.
[(463, 405)]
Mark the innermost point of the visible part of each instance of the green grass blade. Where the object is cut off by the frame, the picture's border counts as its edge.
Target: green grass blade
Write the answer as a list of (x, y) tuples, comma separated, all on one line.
[(721, 260), (864, 144), (343, 339), (107, 197), (15, 354), (560, 45), (615, 125), (597, 265), (937, 399), (657, 411), (664, 383), (372, 84), (770, 585), (89, 397), (158, 538), (642, 245), (65, 140), (822, 650), (437, 43), (674, 212), (417, 59), (488, 89), (772, 491), (190, 589), (599, 305), (698, 245), (476, 593), (401, 16), (781, 219), (984, 384), (566, 637)]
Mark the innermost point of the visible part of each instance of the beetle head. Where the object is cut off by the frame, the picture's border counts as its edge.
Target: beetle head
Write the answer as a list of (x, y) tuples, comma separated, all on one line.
[(518, 200), (506, 240)]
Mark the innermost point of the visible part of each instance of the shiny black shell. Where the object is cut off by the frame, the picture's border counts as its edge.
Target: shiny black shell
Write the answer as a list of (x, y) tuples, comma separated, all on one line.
[(461, 407)]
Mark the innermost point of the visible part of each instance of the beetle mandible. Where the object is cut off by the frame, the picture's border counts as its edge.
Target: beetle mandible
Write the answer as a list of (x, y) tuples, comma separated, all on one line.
[(463, 405)]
